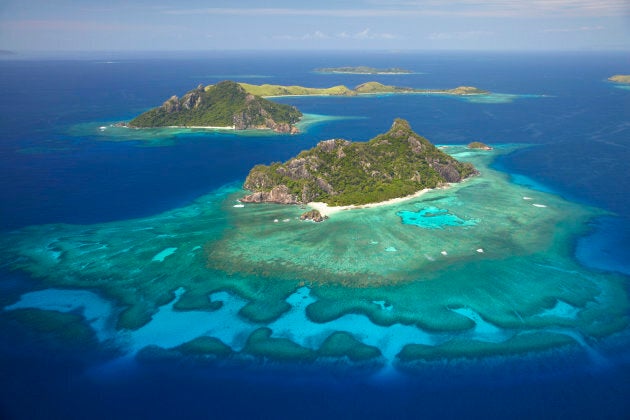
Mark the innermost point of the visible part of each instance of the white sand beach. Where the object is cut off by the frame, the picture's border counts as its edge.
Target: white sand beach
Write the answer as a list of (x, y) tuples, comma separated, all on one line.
[(204, 127), (327, 210)]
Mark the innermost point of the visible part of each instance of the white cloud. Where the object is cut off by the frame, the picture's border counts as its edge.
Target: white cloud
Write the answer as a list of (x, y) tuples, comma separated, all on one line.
[(444, 36), (368, 34), (580, 29), (365, 34), (308, 36)]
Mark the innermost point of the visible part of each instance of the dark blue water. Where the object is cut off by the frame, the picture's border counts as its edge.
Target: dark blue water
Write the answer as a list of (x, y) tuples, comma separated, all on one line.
[(580, 137)]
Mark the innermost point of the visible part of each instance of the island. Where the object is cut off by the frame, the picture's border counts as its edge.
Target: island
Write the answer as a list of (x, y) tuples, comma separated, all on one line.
[(368, 88), (226, 105), (620, 78), (362, 70), (478, 145), (376, 87), (396, 164)]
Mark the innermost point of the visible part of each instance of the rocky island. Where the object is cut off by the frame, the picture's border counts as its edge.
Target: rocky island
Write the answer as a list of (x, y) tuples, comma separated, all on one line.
[(620, 78), (362, 70), (395, 164), (224, 105)]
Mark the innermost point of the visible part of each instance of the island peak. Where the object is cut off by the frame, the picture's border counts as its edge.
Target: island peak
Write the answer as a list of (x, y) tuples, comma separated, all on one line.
[(224, 105), (337, 172)]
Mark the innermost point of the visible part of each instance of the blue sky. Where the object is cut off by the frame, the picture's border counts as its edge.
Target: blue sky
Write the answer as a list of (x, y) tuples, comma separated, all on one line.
[(74, 25)]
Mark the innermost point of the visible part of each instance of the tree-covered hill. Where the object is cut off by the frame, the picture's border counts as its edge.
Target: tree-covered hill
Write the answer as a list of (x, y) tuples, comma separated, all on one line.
[(339, 172), (225, 104)]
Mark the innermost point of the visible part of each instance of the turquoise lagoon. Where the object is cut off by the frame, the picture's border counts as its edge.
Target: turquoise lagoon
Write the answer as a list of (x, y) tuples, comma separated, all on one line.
[(480, 270)]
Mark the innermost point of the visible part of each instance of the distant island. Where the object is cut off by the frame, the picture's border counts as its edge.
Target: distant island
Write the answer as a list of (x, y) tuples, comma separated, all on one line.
[(368, 88), (242, 106), (620, 78), (478, 145), (226, 105), (362, 70), (392, 165)]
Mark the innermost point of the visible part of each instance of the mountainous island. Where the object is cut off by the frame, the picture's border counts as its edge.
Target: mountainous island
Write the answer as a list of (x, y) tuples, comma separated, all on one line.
[(224, 105), (368, 88), (620, 78), (242, 106), (395, 164), (362, 70)]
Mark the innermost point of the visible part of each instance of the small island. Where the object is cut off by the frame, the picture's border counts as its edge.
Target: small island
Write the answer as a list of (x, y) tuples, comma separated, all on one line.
[(226, 105), (478, 145), (620, 78), (362, 70), (396, 164)]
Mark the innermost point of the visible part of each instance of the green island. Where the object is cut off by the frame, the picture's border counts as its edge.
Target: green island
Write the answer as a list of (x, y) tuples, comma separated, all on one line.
[(242, 106), (478, 145), (339, 172), (362, 70), (224, 105), (620, 78), (368, 88)]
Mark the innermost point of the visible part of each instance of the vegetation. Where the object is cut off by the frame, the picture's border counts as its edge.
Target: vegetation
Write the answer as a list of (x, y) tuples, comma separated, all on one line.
[(362, 89), (478, 145), (362, 70), (279, 90), (225, 104), (620, 78), (338, 172), (376, 87)]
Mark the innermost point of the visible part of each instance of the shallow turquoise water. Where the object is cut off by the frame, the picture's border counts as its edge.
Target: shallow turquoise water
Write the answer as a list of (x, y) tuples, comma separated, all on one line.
[(432, 218)]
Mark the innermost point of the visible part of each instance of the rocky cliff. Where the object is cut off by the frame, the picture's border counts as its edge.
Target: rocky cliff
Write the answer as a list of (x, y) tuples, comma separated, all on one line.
[(225, 104), (339, 172)]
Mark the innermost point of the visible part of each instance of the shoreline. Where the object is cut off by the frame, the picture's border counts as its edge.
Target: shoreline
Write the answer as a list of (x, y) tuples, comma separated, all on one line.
[(327, 210), (428, 92), (204, 127)]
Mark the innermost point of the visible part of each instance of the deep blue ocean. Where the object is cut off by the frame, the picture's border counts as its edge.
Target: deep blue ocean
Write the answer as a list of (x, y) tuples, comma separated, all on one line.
[(578, 126)]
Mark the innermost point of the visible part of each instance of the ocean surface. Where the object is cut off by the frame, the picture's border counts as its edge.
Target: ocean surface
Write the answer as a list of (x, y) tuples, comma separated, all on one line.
[(131, 287)]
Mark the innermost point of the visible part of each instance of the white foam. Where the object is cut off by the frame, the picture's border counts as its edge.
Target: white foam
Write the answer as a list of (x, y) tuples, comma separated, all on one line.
[(383, 305), (159, 257)]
